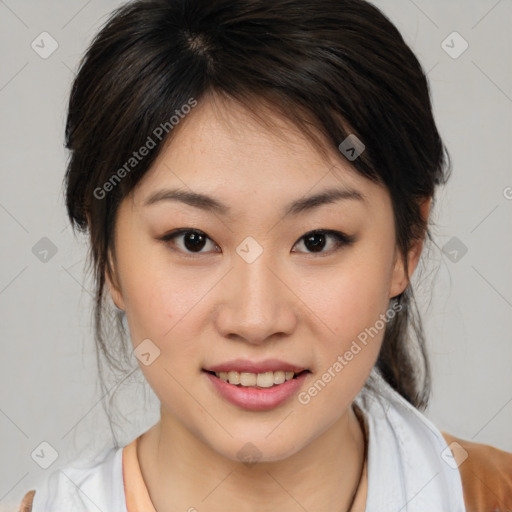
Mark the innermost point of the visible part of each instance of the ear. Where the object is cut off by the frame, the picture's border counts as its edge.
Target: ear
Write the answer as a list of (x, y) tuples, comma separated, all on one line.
[(113, 285), (400, 279)]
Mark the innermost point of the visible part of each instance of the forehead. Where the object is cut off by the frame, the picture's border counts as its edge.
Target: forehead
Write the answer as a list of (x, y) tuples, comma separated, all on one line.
[(221, 148)]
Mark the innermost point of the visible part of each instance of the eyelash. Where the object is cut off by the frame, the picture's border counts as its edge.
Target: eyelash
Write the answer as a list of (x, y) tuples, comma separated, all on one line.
[(341, 239)]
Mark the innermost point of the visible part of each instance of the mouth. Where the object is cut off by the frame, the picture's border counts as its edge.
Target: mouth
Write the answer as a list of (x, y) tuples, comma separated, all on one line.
[(257, 380)]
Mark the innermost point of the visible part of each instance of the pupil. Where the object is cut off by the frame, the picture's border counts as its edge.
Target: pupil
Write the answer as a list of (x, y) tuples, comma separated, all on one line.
[(310, 242), (194, 241)]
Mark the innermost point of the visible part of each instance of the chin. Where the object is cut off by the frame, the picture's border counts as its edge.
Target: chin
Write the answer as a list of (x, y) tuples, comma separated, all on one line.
[(257, 449)]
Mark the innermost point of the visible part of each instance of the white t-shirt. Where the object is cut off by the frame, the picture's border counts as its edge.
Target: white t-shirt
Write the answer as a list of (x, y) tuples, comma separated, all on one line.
[(408, 466)]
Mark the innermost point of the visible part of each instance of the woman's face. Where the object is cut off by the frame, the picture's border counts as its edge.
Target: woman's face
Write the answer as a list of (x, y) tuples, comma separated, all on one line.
[(251, 286)]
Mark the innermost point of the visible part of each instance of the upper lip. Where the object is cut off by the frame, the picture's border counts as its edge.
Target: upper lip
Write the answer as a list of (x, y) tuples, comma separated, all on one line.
[(245, 365)]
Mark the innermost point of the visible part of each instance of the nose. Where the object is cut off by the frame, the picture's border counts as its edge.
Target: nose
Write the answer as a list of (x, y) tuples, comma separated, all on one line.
[(256, 303)]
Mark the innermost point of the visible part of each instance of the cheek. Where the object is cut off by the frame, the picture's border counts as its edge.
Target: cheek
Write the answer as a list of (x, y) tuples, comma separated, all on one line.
[(158, 295), (160, 307), (351, 297), (149, 306), (349, 303)]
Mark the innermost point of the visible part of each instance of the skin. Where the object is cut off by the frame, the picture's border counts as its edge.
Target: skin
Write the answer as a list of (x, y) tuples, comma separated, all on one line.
[(291, 303)]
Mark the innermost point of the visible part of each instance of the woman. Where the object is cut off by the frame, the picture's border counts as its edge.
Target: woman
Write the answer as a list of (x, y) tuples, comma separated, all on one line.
[(256, 178)]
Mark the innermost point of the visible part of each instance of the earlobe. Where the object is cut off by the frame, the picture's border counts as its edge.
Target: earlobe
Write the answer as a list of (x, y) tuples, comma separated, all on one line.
[(400, 278), (417, 245), (114, 290), (425, 208), (115, 294), (398, 282)]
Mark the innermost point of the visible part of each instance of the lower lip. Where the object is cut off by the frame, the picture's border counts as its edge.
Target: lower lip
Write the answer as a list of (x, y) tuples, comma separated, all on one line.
[(257, 399)]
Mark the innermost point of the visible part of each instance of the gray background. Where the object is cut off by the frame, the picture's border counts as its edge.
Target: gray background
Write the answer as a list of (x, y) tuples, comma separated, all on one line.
[(48, 383)]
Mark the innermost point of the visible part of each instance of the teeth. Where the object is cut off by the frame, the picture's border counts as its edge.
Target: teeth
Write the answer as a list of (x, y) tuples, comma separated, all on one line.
[(232, 377), (262, 380), (248, 379)]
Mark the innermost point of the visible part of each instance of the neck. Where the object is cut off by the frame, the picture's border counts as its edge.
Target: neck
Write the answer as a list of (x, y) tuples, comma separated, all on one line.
[(181, 472)]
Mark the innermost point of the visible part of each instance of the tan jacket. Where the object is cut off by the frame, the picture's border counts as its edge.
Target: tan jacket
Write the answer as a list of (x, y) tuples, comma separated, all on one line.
[(486, 474)]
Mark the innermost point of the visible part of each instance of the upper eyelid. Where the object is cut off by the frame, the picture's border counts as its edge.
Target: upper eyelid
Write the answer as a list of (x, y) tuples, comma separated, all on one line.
[(182, 231)]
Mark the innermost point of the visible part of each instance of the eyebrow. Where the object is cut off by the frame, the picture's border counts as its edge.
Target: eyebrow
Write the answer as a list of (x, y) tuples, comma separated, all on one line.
[(208, 203)]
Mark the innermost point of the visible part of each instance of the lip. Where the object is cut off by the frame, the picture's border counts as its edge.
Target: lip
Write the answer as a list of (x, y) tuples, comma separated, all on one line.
[(254, 398), (245, 365)]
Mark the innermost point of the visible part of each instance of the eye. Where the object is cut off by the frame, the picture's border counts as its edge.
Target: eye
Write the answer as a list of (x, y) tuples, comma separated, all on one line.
[(192, 240), (316, 240)]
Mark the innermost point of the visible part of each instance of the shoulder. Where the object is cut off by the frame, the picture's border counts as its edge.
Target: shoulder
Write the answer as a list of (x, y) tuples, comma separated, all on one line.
[(486, 474), (26, 502), (83, 485)]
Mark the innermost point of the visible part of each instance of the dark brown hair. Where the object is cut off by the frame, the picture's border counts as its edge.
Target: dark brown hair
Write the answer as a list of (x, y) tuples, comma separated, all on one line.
[(332, 67)]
